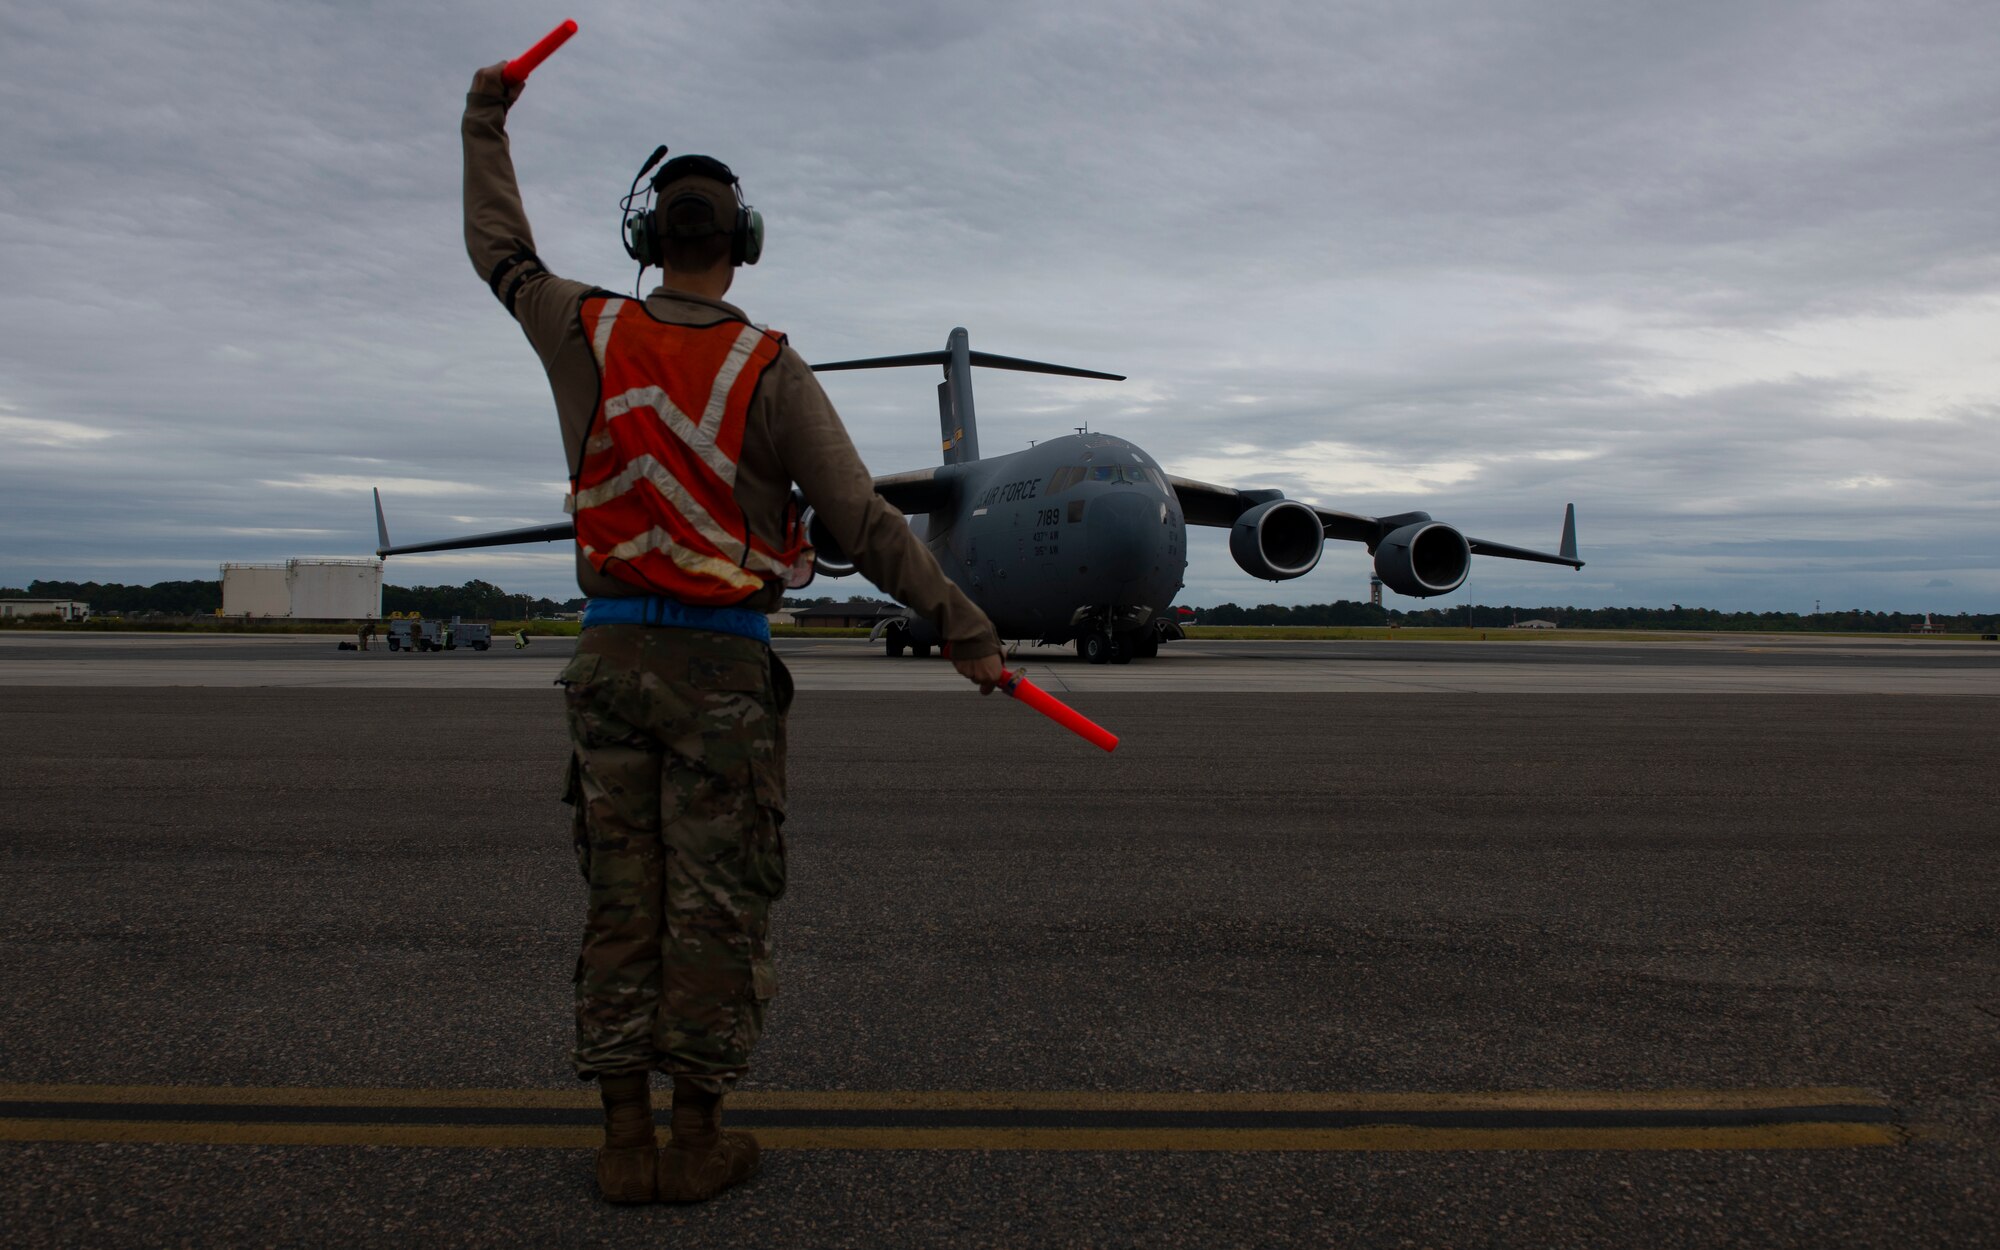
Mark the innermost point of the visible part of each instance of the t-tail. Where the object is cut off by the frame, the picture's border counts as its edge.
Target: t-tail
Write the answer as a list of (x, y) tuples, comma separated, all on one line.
[(956, 424)]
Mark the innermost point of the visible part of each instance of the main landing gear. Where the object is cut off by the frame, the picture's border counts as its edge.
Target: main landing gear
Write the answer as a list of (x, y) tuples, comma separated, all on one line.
[(1139, 644)]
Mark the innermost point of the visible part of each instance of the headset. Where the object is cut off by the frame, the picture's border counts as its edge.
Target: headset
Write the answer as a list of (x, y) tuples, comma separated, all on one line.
[(642, 225)]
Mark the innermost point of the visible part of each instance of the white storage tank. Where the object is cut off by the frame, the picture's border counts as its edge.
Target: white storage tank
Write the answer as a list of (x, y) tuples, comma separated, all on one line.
[(335, 590), (256, 590)]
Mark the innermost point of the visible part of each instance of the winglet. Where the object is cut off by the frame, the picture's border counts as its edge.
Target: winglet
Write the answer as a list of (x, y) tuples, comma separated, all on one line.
[(381, 525), (1568, 548)]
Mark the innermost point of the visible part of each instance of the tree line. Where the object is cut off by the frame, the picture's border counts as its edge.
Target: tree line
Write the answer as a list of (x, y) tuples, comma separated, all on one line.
[(484, 600), (1482, 616), (474, 600)]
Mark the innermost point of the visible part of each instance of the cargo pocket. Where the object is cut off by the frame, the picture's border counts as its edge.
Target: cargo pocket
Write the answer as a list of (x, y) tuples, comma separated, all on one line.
[(579, 830), (767, 767), (782, 686), (764, 855)]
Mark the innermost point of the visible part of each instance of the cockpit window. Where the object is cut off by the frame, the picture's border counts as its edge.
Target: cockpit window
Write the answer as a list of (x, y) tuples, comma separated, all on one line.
[(1125, 474)]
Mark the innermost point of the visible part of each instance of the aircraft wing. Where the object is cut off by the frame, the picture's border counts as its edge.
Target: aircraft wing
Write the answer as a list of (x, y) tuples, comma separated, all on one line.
[(920, 490), (1484, 547), (560, 532), (1204, 503)]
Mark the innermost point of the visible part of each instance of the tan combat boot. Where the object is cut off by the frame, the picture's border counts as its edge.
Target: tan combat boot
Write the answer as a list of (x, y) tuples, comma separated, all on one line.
[(700, 1160), (625, 1167)]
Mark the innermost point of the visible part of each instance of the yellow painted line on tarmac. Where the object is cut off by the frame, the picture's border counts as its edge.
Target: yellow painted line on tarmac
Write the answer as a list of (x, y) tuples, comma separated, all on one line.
[(583, 1095), (1819, 1117), (579, 1095), (1381, 1137)]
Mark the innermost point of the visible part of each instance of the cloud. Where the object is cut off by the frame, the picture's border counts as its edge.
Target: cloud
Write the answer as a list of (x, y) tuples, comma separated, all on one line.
[(1720, 274), (48, 432)]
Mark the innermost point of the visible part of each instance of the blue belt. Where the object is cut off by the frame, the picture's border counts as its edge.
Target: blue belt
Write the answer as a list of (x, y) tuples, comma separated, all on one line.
[(672, 614)]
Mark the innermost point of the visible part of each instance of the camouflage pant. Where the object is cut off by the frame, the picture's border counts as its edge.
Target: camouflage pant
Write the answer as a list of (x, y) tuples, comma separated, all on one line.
[(678, 782)]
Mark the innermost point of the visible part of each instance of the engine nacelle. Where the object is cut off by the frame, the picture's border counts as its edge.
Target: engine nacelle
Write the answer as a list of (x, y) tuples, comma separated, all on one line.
[(828, 558), (1424, 559), (1277, 540)]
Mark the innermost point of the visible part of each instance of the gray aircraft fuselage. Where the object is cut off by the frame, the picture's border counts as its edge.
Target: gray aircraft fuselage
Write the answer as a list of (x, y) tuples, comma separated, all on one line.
[(1083, 527)]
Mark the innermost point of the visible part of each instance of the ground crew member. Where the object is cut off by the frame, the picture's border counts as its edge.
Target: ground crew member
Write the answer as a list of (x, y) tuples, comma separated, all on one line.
[(685, 427), (367, 632)]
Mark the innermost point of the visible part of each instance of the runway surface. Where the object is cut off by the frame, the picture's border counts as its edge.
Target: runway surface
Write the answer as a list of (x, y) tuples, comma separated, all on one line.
[(1288, 968), (1713, 664)]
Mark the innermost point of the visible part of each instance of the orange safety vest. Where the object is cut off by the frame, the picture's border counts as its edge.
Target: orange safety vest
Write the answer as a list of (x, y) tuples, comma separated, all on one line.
[(654, 492)]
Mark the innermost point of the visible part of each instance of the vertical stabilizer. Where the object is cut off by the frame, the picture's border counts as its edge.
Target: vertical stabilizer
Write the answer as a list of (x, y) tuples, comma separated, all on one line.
[(960, 429), (1568, 548)]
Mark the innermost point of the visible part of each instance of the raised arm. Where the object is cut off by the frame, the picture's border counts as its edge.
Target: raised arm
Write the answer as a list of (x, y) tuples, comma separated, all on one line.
[(497, 237)]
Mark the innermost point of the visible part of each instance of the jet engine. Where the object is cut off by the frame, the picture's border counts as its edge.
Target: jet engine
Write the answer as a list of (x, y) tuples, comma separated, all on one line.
[(1423, 559), (828, 558), (1277, 540)]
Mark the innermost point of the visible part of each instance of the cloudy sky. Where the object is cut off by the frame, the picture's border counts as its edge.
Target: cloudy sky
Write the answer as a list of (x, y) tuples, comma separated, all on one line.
[(1727, 275)]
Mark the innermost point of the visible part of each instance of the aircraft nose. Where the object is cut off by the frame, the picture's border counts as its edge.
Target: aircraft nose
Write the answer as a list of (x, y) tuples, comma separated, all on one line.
[(1127, 539)]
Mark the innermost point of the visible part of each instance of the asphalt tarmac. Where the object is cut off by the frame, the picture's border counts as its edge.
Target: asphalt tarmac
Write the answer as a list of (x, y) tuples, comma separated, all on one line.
[(1378, 895), (1707, 664)]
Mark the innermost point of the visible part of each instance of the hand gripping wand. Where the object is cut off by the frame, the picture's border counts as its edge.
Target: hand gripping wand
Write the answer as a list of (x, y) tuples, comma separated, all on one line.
[(1020, 688), (523, 65)]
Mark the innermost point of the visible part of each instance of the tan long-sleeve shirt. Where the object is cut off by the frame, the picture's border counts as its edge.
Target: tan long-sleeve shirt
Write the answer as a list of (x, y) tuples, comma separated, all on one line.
[(793, 433)]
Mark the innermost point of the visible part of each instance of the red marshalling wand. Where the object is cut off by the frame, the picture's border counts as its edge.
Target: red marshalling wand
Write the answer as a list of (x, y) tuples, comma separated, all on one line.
[(523, 65), (1019, 687)]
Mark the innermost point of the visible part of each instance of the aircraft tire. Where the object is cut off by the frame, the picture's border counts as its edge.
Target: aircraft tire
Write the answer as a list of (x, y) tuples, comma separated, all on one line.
[(1145, 645), (895, 646), (1121, 650), (922, 650), (1094, 648)]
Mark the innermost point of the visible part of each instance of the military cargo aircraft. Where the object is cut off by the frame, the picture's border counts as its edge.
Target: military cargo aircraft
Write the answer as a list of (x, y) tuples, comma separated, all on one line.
[(1083, 539)]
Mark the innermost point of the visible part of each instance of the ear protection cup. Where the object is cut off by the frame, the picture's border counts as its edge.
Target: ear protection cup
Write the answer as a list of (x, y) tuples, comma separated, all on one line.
[(748, 242), (641, 244)]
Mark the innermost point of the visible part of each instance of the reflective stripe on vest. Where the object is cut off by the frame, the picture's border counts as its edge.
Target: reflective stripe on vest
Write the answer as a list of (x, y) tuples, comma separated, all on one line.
[(655, 491)]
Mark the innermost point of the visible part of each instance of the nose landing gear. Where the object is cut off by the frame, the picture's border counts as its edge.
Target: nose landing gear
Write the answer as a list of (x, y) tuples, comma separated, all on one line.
[(898, 640)]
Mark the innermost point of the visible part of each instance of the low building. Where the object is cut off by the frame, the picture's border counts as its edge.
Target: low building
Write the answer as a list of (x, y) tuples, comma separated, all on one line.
[(61, 609), (1537, 623), (849, 615)]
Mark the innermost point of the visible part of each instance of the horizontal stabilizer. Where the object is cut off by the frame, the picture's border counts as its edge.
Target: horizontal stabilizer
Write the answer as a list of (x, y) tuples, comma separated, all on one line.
[(987, 359)]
